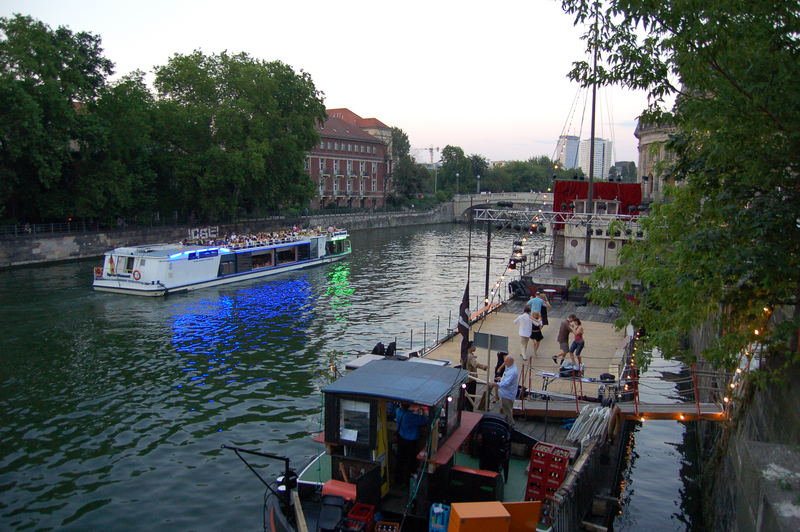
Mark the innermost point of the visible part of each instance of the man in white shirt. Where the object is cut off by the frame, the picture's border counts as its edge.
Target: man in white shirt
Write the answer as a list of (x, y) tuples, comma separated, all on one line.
[(525, 329)]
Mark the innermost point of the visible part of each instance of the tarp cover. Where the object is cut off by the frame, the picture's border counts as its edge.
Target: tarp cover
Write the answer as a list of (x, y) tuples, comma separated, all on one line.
[(628, 194), (423, 384)]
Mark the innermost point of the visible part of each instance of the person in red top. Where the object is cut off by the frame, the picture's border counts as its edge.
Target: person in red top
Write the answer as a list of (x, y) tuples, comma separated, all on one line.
[(578, 343)]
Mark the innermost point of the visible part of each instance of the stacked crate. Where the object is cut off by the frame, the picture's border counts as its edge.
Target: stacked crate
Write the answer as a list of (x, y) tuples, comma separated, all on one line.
[(546, 473)]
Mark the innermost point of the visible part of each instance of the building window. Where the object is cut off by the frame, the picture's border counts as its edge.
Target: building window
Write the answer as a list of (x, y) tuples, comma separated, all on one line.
[(305, 164), (335, 145), (321, 165), (349, 186), (336, 166), (349, 147), (374, 185), (335, 186), (374, 168), (330, 146), (349, 167), (362, 167), (322, 144)]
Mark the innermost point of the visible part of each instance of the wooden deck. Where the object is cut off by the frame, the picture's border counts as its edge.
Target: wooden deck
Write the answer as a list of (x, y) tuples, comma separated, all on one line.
[(567, 409)]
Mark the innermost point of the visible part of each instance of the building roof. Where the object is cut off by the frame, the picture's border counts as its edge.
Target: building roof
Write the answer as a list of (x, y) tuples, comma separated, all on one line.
[(349, 116), (422, 384), (339, 129)]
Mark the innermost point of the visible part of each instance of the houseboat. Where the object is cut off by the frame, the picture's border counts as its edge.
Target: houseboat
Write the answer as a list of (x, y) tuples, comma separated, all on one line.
[(161, 269)]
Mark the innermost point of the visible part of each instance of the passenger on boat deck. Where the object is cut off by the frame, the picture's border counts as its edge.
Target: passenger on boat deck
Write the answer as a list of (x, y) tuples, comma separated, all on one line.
[(525, 324), (507, 388), (578, 343), (472, 366), (409, 420)]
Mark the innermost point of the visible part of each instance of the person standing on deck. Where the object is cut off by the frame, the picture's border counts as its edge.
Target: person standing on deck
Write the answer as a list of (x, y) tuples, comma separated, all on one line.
[(472, 366), (536, 333), (563, 339), (409, 420), (578, 343), (540, 304), (507, 388), (525, 328)]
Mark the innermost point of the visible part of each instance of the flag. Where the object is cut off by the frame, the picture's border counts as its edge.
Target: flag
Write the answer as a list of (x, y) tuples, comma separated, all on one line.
[(463, 325)]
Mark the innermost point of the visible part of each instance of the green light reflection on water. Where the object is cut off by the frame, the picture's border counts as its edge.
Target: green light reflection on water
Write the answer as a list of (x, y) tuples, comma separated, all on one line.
[(339, 290)]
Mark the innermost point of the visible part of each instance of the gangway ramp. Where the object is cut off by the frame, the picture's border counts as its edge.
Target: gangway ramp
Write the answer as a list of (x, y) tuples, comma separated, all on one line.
[(567, 409)]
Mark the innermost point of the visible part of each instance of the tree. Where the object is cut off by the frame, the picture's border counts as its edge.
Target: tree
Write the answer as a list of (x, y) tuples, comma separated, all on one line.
[(113, 173), (409, 177), (725, 248), (400, 145), (455, 171), (240, 128), (46, 76)]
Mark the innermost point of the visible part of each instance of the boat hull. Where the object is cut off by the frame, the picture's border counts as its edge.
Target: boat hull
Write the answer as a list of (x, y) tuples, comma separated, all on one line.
[(124, 287)]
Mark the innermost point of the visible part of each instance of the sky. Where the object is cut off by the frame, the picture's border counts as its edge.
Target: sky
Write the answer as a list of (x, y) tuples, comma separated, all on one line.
[(490, 77)]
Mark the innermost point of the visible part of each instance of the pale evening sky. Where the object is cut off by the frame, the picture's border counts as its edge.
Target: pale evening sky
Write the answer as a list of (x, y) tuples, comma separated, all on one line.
[(489, 77)]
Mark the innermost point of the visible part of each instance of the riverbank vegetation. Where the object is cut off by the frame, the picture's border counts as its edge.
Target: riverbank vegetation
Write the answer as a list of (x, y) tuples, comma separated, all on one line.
[(220, 134), (724, 247)]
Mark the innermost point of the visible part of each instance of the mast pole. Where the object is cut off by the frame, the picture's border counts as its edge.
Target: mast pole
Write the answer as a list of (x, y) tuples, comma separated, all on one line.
[(589, 203), (488, 256)]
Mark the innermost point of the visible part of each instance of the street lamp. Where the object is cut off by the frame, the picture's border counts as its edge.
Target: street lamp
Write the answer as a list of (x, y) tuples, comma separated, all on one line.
[(478, 187), (457, 175)]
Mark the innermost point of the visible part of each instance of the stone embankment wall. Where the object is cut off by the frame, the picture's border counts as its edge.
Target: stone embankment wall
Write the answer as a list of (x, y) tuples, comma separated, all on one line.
[(27, 250), (751, 466)]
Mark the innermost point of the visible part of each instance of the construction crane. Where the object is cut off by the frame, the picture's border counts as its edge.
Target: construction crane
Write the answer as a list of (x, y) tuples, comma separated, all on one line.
[(435, 166)]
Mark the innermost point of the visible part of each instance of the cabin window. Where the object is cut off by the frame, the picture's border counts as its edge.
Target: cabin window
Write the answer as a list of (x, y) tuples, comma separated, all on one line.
[(129, 263), (303, 252), (354, 422), (192, 255), (142, 262), (286, 255), (262, 261)]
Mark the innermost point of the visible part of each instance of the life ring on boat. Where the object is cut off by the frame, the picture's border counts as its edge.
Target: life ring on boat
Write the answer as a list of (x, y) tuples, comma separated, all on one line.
[(137, 275)]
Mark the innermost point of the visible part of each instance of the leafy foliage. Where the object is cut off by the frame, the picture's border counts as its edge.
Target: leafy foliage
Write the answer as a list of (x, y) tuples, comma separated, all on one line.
[(226, 132), (725, 249), (401, 147)]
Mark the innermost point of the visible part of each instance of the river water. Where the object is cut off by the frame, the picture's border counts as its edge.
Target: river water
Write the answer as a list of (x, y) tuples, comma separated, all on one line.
[(113, 408)]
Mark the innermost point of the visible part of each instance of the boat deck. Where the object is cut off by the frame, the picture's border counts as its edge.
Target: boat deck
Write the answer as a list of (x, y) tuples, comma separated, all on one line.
[(602, 354)]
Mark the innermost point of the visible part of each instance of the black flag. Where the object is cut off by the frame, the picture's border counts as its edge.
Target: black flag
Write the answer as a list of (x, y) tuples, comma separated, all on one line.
[(463, 325)]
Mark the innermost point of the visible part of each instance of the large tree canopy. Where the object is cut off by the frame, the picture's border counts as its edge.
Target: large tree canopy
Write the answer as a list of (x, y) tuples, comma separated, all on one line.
[(45, 77), (226, 132), (725, 247), (244, 125)]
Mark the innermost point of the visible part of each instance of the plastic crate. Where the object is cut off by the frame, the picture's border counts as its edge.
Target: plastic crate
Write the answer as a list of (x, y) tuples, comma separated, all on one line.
[(362, 512), (387, 526), (351, 525)]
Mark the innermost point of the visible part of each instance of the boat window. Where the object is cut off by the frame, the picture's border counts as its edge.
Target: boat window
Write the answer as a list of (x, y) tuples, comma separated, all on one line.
[(192, 255), (129, 263), (262, 260), (354, 421), (208, 253), (303, 252), (287, 255), (142, 262)]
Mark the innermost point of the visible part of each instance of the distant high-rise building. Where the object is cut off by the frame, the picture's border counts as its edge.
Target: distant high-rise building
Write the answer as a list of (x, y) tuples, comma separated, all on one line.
[(602, 157), (567, 150)]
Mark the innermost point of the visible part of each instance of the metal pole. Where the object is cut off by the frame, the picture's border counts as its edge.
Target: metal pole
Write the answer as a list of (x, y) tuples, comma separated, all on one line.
[(437, 328), (424, 334), (411, 342), (589, 205), (488, 255)]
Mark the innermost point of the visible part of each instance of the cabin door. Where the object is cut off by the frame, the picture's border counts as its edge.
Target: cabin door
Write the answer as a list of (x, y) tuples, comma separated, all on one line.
[(381, 453)]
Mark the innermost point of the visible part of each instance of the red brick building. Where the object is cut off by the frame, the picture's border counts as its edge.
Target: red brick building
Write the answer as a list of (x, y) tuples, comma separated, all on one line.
[(350, 167)]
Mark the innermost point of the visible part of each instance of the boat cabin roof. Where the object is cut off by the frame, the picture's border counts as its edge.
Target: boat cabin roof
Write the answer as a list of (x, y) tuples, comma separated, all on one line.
[(422, 384)]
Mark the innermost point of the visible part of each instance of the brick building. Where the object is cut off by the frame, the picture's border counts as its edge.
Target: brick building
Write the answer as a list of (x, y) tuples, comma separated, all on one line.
[(351, 167)]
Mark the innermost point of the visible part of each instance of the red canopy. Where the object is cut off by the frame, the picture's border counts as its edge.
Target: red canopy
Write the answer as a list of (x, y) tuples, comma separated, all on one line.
[(629, 194)]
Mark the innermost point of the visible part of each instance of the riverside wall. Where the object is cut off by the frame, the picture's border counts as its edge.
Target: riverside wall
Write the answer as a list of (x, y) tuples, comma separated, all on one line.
[(751, 463), (41, 249)]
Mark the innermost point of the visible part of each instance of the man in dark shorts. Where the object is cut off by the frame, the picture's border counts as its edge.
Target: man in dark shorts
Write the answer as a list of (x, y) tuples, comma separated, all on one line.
[(563, 338)]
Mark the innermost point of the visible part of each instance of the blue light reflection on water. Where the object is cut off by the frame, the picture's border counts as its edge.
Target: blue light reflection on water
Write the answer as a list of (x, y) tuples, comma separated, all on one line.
[(211, 334)]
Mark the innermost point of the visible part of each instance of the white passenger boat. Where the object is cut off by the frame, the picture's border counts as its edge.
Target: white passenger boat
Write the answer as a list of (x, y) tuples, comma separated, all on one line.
[(161, 269)]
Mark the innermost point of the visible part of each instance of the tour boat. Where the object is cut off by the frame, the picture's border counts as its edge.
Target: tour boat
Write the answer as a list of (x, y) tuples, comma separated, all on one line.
[(161, 269)]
